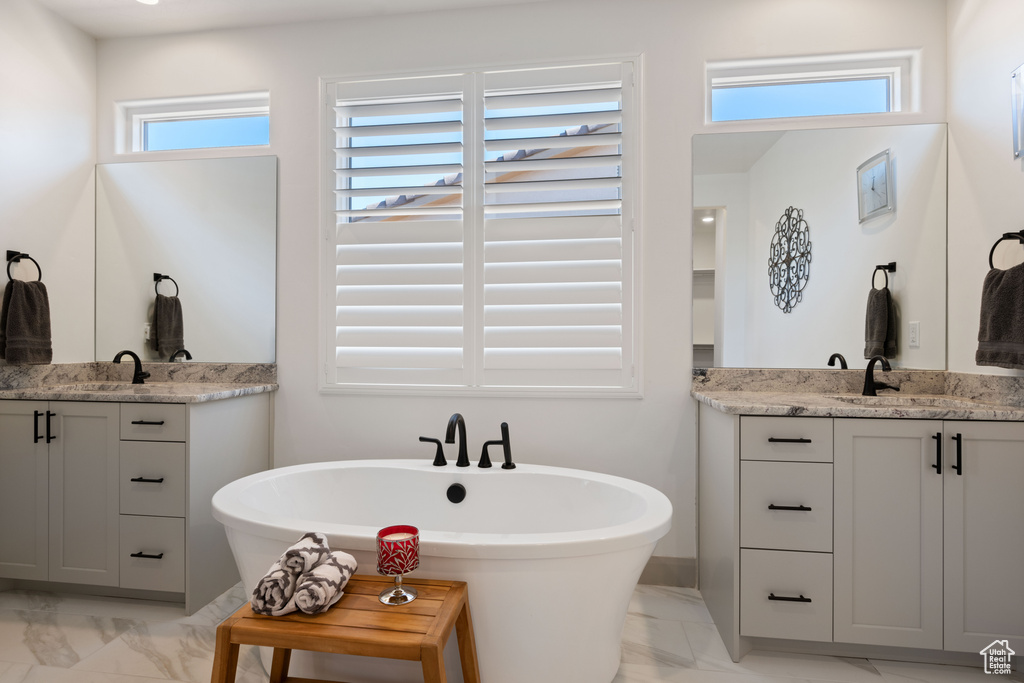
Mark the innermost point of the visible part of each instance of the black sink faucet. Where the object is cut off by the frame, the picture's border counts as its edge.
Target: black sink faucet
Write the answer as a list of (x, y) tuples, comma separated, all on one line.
[(139, 376), (870, 385), (837, 356), (188, 356), (456, 420)]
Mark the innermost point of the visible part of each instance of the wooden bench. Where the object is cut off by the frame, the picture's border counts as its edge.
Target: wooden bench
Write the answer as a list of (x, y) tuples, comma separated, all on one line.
[(359, 625)]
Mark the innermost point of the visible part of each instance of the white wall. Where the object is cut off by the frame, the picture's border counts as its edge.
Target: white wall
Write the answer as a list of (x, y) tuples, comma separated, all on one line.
[(47, 154), (986, 194), (651, 440)]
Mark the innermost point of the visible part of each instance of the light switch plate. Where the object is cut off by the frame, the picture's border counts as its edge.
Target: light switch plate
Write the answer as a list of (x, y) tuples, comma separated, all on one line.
[(915, 335)]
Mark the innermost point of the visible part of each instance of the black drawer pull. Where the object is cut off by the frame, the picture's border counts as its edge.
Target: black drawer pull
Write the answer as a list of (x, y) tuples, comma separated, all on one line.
[(147, 556), (772, 596), (772, 439), (148, 481), (959, 466), (147, 422), (801, 508)]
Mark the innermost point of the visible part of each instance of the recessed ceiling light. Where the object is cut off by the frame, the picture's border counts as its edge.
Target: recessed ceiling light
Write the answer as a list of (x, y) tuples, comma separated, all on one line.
[(706, 219), (149, 2)]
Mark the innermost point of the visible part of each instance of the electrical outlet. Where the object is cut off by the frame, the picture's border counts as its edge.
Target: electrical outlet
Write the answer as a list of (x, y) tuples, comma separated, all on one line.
[(147, 331), (915, 335)]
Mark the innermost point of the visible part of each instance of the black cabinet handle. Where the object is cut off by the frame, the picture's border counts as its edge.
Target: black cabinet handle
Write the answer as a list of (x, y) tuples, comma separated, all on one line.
[(148, 556), (147, 422), (36, 436), (49, 438), (149, 481), (938, 453), (772, 596), (801, 508), (772, 439), (959, 438)]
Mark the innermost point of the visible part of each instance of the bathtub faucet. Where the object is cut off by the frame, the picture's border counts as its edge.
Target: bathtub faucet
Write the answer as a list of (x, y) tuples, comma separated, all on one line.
[(454, 421), (485, 459)]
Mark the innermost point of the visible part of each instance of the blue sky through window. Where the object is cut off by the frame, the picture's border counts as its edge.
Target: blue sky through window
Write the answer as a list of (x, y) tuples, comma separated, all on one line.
[(824, 98), (236, 131)]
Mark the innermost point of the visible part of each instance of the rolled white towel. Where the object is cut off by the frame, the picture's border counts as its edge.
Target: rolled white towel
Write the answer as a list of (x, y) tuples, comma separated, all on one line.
[(320, 588), (274, 593), (308, 552)]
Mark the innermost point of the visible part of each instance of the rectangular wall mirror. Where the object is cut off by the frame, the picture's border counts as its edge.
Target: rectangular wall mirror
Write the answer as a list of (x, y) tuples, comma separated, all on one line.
[(743, 184), (211, 225)]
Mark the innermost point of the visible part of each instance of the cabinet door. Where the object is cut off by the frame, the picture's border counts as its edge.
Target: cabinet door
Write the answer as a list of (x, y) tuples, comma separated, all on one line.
[(23, 490), (84, 493), (984, 541), (888, 533)]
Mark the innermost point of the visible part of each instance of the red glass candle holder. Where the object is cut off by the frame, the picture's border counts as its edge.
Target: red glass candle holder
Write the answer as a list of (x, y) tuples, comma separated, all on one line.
[(398, 553)]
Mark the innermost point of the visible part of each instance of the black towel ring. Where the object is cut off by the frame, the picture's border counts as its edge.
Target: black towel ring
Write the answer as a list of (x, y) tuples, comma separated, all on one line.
[(157, 277), (1019, 236), (15, 257), (886, 269)]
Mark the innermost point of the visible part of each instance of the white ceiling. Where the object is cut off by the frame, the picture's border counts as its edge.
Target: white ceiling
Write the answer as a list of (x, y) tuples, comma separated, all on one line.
[(120, 18)]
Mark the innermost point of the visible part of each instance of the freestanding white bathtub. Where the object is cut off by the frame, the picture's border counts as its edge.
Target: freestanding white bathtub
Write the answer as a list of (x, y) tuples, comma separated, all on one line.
[(551, 555)]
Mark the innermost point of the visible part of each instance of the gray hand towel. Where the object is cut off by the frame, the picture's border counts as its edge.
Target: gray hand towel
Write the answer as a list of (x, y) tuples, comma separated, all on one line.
[(880, 324), (168, 326), (1001, 333), (25, 324)]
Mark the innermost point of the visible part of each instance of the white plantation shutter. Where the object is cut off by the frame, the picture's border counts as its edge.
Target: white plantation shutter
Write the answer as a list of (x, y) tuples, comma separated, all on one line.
[(483, 232)]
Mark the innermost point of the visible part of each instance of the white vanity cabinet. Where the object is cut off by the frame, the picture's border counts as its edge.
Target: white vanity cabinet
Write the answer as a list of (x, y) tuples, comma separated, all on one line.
[(58, 479), (888, 533), (121, 496), (923, 550), (983, 505)]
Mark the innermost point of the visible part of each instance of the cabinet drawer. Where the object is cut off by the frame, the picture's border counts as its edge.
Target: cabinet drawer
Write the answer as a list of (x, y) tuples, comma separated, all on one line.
[(767, 577), (163, 539), (795, 439), (153, 421), (152, 478), (767, 488)]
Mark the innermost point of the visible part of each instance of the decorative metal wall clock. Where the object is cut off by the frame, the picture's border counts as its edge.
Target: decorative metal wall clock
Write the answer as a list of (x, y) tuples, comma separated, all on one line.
[(789, 261)]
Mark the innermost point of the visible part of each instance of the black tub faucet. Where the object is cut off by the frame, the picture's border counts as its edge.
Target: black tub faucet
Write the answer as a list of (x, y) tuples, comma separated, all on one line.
[(870, 385), (842, 361), (485, 460), (454, 421), (139, 376)]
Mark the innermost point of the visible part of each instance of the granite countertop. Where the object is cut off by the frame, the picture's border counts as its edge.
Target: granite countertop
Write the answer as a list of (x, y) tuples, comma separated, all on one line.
[(923, 395), (150, 392), (920, 406)]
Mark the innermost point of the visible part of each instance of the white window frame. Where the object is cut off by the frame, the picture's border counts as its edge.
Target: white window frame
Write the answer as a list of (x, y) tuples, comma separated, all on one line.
[(901, 68), (631, 221), (132, 116)]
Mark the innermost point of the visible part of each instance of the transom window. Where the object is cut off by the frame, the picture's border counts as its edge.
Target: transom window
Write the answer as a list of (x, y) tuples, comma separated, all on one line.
[(481, 232), (863, 83), (236, 120)]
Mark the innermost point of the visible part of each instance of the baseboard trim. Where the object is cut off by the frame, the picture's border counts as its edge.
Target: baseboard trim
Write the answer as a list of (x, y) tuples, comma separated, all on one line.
[(670, 571)]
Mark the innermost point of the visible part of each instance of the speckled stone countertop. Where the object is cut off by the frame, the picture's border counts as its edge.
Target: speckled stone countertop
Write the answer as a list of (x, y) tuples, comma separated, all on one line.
[(923, 394), (169, 382)]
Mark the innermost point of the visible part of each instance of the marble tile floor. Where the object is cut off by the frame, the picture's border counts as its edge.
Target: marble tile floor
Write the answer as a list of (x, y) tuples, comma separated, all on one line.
[(668, 638)]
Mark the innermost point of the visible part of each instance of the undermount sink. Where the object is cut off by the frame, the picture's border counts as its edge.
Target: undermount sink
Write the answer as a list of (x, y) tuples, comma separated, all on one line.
[(909, 401)]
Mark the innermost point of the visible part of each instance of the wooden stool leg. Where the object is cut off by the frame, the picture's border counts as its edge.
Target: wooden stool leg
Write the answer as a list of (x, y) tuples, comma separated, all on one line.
[(225, 656), (279, 665), (467, 645), (432, 660)]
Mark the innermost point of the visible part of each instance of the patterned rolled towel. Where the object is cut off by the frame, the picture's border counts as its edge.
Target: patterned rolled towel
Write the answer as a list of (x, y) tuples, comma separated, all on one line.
[(274, 593), (320, 588)]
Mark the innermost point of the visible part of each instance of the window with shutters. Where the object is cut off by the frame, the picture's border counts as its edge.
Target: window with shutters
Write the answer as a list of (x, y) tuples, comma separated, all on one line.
[(481, 234)]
